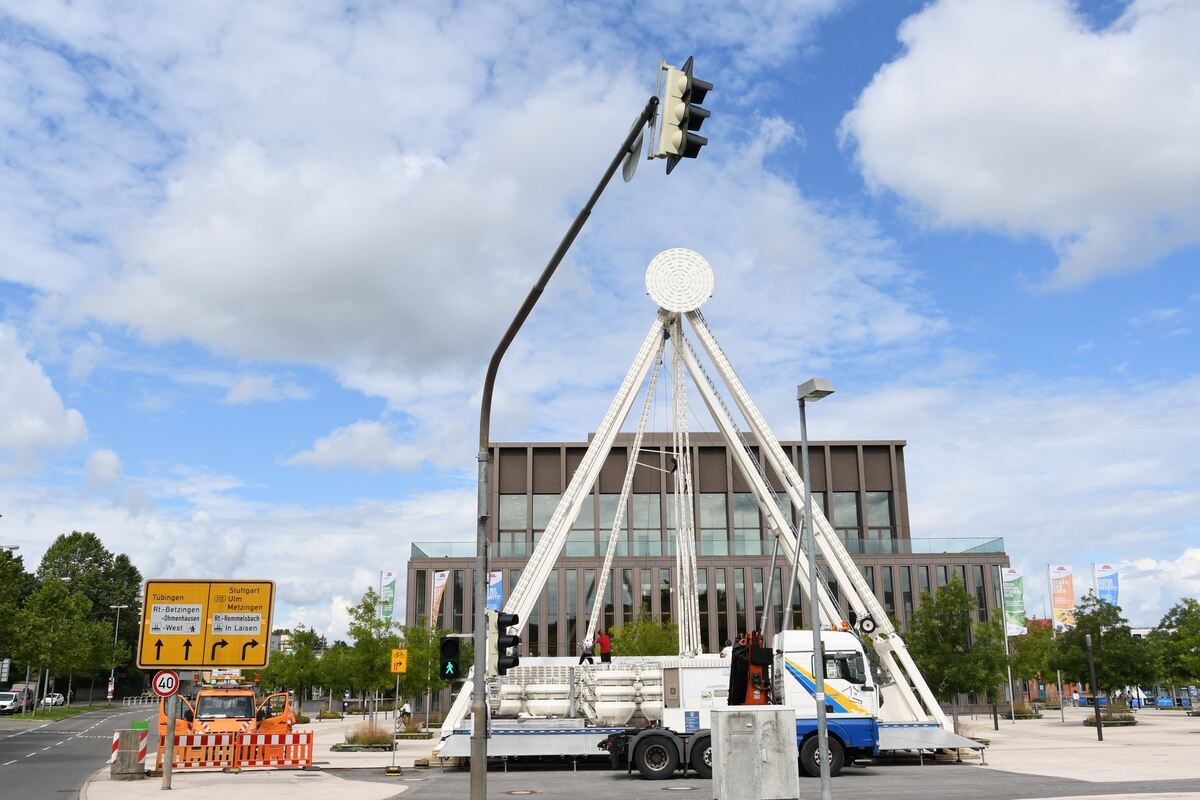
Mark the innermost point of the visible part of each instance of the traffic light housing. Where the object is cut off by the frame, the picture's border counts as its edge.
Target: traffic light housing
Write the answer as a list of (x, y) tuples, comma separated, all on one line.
[(449, 669), (682, 115), (499, 642)]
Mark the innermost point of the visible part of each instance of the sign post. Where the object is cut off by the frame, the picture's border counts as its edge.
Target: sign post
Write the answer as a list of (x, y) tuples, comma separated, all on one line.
[(399, 665), (169, 756)]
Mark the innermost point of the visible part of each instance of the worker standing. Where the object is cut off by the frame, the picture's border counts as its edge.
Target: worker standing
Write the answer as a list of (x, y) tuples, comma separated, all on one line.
[(605, 643)]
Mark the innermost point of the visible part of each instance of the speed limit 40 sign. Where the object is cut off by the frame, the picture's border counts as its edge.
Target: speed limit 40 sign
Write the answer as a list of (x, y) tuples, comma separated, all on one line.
[(165, 683)]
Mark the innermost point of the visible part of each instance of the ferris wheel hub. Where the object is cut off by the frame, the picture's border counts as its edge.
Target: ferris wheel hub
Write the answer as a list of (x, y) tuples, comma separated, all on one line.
[(679, 280)]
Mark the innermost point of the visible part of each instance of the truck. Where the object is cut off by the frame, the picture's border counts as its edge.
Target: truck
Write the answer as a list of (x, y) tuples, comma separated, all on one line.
[(230, 705), (652, 713), (19, 698)]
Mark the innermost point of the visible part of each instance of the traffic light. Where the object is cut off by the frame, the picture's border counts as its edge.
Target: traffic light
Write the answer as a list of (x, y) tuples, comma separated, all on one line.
[(449, 668), (499, 660), (682, 115)]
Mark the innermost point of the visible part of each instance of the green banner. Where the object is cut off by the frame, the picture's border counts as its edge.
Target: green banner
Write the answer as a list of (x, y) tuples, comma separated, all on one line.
[(1014, 602), (387, 593)]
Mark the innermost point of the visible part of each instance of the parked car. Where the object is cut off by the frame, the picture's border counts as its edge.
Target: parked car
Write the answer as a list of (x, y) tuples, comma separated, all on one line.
[(10, 703), (54, 699)]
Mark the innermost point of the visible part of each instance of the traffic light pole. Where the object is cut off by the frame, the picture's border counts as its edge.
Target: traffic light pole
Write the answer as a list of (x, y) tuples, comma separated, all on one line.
[(478, 686)]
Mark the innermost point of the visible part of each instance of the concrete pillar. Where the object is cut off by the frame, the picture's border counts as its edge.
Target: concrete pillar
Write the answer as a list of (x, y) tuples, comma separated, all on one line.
[(127, 766)]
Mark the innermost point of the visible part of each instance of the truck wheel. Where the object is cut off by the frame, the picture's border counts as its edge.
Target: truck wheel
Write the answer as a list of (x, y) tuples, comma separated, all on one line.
[(810, 763), (702, 757), (656, 758)]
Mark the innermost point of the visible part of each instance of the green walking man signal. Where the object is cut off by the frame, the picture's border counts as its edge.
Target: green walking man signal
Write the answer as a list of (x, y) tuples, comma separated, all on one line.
[(449, 669)]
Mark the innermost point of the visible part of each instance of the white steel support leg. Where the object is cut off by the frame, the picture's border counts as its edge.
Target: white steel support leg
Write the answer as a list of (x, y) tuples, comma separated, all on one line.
[(762, 493), (614, 533), (859, 594), (537, 571)]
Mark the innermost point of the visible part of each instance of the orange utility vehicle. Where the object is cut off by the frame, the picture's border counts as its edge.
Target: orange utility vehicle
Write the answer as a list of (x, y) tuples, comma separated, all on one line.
[(230, 706)]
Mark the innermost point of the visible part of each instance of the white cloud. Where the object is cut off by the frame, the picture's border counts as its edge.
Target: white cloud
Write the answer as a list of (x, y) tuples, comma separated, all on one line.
[(263, 388), (1016, 115), (32, 415), (365, 445), (102, 468)]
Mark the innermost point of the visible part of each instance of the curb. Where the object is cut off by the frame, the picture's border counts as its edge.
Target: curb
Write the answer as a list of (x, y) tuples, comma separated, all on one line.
[(83, 790)]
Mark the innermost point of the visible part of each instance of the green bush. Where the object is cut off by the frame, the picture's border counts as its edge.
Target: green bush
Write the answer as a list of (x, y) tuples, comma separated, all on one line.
[(301, 719), (1116, 719), (369, 734), (326, 714)]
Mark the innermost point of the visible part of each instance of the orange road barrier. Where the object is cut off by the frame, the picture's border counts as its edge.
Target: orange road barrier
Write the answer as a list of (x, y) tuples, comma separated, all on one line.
[(275, 750), (199, 751)]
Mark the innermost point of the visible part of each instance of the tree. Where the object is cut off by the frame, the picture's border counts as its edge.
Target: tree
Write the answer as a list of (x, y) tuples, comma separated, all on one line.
[(941, 642), (374, 638), (55, 630), (336, 669), (1121, 659), (15, 585), (424, 657), (1177, 640), (1032, 653), (987, 649), (646, 636)]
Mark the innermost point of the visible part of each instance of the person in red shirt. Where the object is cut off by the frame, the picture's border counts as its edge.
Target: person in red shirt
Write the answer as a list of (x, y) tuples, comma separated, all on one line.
[(604, 642)]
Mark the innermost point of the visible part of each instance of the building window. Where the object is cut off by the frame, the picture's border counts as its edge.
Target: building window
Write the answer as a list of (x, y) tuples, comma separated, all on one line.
[(739, 598), (514, 513), (420, 589), (906, 593), (777, 599), (747, 542), (879, 509), (833, 590), (664, 593), (869, 577), (714, 525), (552, 614), (818, 501), (543, 510), (923, 578), (609, 613), (646, 519), (457, 601), (702, 596), (572, 598), (889, 594), (845, 510), (581, 539), (961, 571), (943, 578), (644, 597), (759, 588), (878, 541), (626, 596), (722, 608), (534, 627), (513, 543), (980, 593), (514, 576)]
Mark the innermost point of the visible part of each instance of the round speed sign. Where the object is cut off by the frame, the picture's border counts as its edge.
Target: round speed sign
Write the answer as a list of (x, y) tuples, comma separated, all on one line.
[(165, 683)]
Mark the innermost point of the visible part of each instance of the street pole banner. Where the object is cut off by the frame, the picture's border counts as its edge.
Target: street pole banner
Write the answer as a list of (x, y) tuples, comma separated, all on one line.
[(1107, 588), (1014, 602), (439, 587), (387, 593), (495, 590), (1062, 594)]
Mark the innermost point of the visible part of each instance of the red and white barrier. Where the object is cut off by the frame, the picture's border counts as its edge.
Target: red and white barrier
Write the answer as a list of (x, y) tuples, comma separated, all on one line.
[(275, 750), (201, 750)]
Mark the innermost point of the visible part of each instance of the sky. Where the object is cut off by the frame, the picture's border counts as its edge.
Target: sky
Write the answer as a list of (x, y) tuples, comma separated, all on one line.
[(256, 256)]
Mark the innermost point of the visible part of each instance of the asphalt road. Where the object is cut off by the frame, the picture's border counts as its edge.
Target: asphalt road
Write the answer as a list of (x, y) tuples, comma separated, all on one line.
[(50, 761), (886, 782)]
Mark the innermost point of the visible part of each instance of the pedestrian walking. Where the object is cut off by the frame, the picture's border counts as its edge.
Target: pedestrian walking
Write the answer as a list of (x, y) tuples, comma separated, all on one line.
[(605, 643)]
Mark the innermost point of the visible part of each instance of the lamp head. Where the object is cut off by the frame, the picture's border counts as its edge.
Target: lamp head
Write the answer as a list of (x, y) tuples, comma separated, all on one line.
[(814, 389)]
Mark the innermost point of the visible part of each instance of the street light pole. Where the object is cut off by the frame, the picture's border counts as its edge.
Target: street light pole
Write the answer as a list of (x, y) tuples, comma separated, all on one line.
[(112, 676), (814, 389), (479, 629)]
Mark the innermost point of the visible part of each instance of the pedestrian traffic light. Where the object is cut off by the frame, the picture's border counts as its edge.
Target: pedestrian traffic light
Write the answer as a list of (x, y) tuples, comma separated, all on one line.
[(499, 642), (682, 115), (449, 668)]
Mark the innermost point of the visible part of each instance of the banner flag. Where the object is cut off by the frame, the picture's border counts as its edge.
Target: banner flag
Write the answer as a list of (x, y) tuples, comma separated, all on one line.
[(1062, 594), (495, 590), (387, 594), (1107, 588), (1014, 602), (439, 588)]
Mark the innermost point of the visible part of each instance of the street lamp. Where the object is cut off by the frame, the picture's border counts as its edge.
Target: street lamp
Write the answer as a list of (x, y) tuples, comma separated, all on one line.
[(813, 390), (112, 676)]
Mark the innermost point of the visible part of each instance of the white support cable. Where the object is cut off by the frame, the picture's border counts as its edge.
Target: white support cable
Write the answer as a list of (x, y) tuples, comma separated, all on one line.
[(626, 486), (687, 609), (858, 593), (767, 501)]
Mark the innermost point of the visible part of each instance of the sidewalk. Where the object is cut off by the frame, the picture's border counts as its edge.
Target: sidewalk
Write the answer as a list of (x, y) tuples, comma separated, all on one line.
[(1162, 746), (286, 784)]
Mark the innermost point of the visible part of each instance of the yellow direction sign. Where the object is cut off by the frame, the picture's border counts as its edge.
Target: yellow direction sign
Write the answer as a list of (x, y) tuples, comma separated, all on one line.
[(399, 660), (200, 623)]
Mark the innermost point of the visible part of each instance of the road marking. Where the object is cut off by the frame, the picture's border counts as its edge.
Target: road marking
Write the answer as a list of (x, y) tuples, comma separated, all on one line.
[(6, 763), (64, 741), (31, 755)]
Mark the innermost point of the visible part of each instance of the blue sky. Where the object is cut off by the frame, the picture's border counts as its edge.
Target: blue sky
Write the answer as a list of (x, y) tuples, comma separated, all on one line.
[(253, 255)]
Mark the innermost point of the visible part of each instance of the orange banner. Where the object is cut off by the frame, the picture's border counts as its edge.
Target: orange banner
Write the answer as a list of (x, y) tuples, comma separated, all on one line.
[(1062, 594)]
